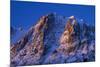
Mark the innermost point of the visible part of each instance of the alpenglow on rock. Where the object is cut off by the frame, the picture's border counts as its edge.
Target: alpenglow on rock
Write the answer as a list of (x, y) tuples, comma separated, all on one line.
[(55, 39)]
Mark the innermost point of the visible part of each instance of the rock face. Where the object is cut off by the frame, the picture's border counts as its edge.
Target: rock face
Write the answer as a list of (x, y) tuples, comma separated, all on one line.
[(55, 39), (69, 40), (29, 49)]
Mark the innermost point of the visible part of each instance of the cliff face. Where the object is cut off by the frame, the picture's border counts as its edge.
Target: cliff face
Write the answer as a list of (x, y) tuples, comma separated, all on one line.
[(77, 44), (29, 49), (55, 39)]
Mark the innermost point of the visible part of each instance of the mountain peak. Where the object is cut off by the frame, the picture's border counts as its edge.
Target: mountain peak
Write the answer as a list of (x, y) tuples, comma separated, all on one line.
[(71, 17), (50, 39)]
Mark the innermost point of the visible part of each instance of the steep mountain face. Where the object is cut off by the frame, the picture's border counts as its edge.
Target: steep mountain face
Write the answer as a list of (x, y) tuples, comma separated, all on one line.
[(55, 39), (76, 44)]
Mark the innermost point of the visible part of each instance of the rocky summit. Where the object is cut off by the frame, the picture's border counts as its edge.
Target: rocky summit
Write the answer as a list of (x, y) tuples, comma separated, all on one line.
[(55, 39)]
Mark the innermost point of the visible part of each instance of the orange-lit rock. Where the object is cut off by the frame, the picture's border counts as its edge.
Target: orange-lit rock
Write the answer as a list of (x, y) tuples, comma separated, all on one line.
[(66, 39), (26, 49)]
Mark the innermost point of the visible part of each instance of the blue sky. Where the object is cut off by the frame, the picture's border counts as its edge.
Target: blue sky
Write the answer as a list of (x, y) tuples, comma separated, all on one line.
[(26, 14)]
